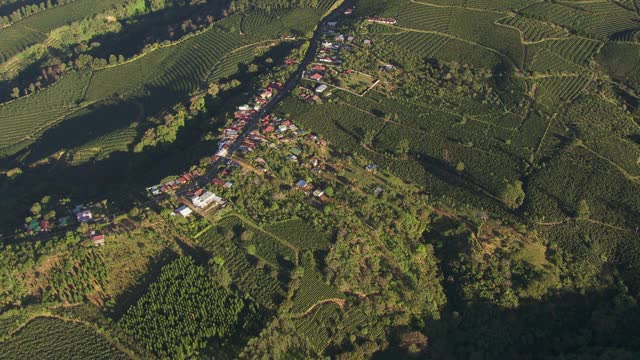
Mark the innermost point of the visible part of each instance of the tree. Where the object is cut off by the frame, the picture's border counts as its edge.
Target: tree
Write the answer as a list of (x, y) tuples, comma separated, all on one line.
[(403, 148), (512, 195), (36, 208), (368, 137), (214, 89), (460, 167), (583, 212), (251, 250), (15, 93)]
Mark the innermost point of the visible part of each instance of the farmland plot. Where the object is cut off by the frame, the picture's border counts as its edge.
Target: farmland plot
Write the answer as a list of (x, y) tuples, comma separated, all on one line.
[(53, 338), (23, 120), (36, 28)]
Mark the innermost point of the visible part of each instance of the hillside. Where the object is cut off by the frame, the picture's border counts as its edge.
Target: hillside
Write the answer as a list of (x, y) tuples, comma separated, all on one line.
[(350, 179)]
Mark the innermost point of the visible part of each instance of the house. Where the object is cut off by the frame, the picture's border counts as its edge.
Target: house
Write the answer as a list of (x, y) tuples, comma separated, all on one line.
[(84, 216), (327, 44), (44, 225), (184, 211), (33, 225), (379, 20), (366, 42), (207, 199), (292, 158), (316, 77), (97, 239), (283, 128), (302, 184), (339, 38), (269, 129), (371, 167), (228, 184), (320, 89), (378, 191), (349, 11), (217, 182), (350, 38), (318, 193), (318, 68)]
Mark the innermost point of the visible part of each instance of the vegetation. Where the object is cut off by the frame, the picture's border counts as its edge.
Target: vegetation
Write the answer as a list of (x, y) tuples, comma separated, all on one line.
[(467, 184), (44, 337), (184, 310)]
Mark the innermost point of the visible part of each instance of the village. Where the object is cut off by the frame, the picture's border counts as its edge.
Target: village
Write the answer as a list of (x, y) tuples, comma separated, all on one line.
[(328, 70), (201, 189)]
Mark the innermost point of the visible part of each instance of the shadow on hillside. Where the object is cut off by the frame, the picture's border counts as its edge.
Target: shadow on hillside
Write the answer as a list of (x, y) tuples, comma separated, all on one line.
[(132, 294), (140, 30), (595, 325), (84, 126)]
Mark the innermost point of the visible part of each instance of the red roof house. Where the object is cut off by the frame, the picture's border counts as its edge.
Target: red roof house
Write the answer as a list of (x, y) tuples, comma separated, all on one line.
[(316, 77)]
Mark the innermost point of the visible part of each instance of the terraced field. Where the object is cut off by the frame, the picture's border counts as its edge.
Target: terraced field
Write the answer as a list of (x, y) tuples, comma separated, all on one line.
[(601, 20), (23, 120), (54, 338), (36, 28), (167, 73), (267, 290)]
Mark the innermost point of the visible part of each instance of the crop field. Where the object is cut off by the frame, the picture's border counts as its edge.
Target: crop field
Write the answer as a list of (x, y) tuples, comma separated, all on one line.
[(597, 19), (181, 69), (316, 326), (183, 310), (301, 234), (100, 127), (495, 5), (35, 28), (263, 23), (229, 64), (53, 338), (564, 87), (24, 119), (474, 27), (182, 72), (258, 282), (534, 30), (100, 147), (312, 289)]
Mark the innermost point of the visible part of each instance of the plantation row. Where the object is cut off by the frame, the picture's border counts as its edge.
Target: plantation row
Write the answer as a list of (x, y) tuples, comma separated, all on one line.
[(421, 44), (300, 234), (184, 310), (48, 338), (312, 289), (229, 65), (565, 88), (258, 282), (35, 28), (28, 116), (182, 68), (534, 30), (119, 140), (496, 5), (597, 19), (263, 23)]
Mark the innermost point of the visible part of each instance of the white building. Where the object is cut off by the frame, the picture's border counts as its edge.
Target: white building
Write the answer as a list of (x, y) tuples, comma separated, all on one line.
[(206, 199), (84, 216), (184, 210), (320, 89)]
